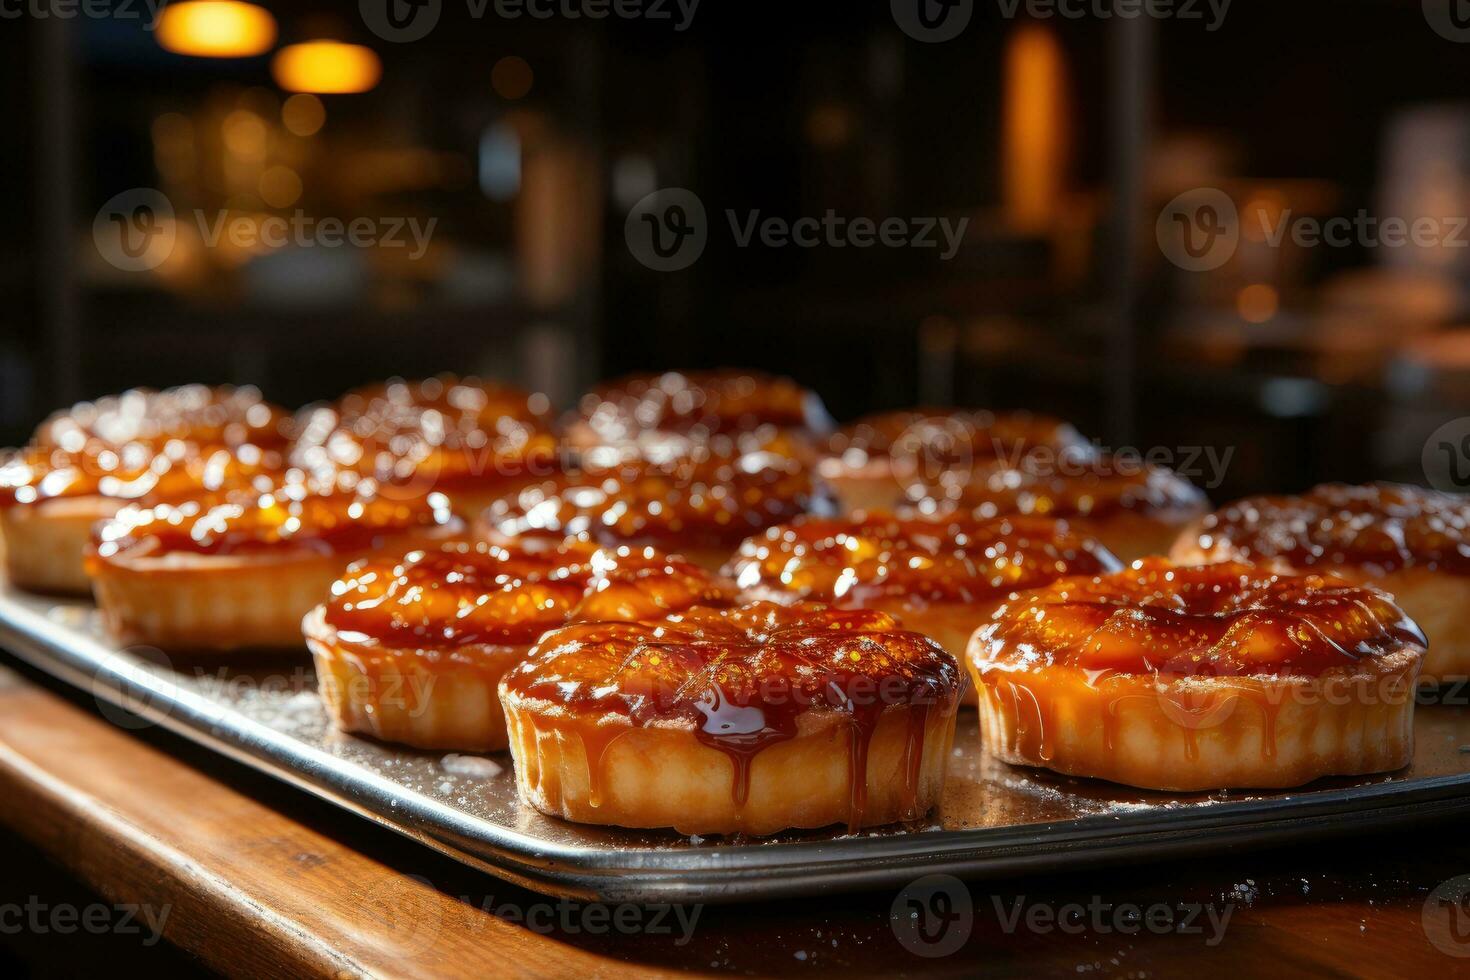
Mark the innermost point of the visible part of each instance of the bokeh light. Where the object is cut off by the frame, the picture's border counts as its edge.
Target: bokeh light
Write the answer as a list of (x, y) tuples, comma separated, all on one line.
[(216, 29)]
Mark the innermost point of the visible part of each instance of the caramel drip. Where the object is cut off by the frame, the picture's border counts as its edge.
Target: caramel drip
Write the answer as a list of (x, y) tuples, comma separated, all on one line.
[(741, 732), (1033, 729), (595, 743), (913, 759), (743, 678), (863, 722)]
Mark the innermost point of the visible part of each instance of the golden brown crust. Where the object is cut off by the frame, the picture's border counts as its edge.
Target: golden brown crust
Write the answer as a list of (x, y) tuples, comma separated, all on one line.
[(1209, 677), (202, 603), (428, 698), (240, 570), (664, 777), (1188, 734), (410, 648), (725, 704), (46, 544)]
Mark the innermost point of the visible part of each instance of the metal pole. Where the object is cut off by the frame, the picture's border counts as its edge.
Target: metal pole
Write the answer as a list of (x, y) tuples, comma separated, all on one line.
[(55, 210), (1132, 69)]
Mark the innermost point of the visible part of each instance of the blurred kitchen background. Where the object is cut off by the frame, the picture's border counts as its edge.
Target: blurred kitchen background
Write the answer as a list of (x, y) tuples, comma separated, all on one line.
[(528, 140)]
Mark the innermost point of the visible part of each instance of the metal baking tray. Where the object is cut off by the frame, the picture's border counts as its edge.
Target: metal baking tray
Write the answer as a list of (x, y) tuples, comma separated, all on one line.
[(994, 819)]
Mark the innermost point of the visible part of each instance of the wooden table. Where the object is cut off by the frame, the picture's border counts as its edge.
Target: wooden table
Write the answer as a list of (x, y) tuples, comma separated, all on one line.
[(261, 878)]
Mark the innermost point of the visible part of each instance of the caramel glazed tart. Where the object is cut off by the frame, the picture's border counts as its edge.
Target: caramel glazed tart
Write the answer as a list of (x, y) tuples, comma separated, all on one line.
[(1135, 509), (1199, 678), (733, 411), (412, 648), (239, 570), (1411, 542), (754, 719), (472, 440), (699, 507), (87, 463), (873, 463), (942, 578)]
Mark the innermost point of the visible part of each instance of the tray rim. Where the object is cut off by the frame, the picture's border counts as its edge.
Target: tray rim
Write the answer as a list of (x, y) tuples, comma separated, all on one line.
[(721, 872)]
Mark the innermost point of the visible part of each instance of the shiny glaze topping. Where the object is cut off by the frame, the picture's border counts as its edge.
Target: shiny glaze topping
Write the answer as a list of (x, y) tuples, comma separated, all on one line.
[(135, 472), (462, 593), (701, 501), (441, 432), (699, 403), (1063, 486), (303, 516), (959, 559), (741, 678), (1225, 619), (1381, 526), (197, 414), (963, 434)]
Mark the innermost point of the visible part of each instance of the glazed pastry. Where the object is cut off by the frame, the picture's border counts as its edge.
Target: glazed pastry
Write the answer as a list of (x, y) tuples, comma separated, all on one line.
[(1199, 678), (1410, 542), (663, 416), (411, 648), (195, 414), (941, 578), (50, 498), (1134, 509), (875, 461), (240, 569), (700, 507), (472, 441), (754, 719), (87, 462)]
